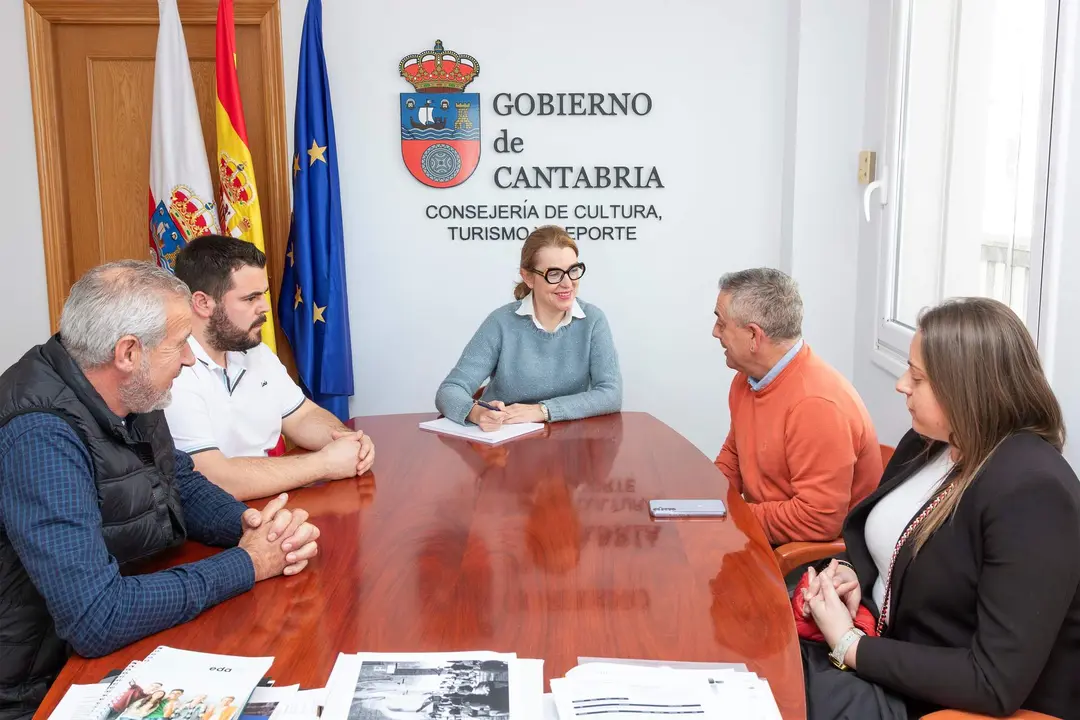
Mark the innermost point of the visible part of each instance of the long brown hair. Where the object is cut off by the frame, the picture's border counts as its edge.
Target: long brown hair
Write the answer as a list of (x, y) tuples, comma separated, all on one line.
[(540, 238), (985, 372)]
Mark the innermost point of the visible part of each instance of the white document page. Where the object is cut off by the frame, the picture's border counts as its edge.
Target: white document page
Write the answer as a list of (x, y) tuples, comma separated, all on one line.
[(741, 667), (527, 691), (413, 685), (446, 426), (78, 701), (303, 705), (269, 702), (634, 699), (548, 710), (738, 694)]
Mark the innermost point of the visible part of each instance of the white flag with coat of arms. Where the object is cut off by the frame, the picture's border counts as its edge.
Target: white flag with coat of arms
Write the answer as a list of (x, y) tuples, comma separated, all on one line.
[(181, 196)]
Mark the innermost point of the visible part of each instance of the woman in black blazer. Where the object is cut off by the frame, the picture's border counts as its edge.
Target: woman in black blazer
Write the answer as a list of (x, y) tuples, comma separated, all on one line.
[(971, 543)]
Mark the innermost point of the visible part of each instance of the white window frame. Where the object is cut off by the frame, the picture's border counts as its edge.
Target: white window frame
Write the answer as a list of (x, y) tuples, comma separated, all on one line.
[(891, 338)]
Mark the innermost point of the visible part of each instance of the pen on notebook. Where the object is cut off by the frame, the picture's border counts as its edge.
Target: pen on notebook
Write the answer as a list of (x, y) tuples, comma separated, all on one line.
[(483, 404)]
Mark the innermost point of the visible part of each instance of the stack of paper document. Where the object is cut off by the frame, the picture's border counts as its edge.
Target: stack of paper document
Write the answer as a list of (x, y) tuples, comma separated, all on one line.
[(175, 683), (434, 685), (301, 705), (271, 703), (640, 691), (78, 701), (421, 686), (446, 426)]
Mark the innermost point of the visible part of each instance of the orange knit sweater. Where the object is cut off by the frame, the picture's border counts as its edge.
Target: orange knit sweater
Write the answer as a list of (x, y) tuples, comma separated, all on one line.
[(802, 451)]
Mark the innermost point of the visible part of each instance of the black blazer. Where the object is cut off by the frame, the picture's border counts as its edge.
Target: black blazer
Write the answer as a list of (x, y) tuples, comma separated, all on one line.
[(987, 617)]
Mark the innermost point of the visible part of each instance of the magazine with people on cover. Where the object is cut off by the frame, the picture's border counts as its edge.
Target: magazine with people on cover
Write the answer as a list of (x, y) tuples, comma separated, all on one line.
[(182, 685)]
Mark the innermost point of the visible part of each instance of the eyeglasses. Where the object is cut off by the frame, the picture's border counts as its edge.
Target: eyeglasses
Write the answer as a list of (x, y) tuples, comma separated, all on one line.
[(554, 276)]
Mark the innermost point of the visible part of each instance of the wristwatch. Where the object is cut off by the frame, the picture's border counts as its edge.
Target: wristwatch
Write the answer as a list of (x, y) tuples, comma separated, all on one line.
[(547, 415), (846, 640)]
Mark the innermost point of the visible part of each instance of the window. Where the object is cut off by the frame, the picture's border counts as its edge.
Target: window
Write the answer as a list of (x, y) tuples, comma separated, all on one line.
[(970, 127)]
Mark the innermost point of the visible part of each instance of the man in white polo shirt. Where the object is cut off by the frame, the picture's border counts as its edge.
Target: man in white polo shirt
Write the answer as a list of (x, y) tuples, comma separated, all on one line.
[(230, 408)]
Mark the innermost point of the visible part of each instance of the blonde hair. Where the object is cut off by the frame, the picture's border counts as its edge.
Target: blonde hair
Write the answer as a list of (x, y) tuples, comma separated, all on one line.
[(540, 238), (984, 369)]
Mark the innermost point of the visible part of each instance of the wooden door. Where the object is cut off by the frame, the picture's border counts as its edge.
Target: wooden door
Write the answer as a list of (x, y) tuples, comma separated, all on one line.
[(92, 78)]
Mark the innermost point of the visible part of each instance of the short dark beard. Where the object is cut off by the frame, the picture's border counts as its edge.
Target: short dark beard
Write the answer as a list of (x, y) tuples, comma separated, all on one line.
[(224, 336)]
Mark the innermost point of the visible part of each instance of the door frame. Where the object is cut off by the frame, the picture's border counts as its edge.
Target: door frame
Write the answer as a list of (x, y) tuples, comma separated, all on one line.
[(42, 15)]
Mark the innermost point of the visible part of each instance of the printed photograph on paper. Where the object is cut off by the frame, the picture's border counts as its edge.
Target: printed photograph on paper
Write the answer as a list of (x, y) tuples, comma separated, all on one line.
[(432, 690)]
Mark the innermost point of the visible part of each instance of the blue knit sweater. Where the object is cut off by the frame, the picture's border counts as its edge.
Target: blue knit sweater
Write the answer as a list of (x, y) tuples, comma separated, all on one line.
[(574, 371)]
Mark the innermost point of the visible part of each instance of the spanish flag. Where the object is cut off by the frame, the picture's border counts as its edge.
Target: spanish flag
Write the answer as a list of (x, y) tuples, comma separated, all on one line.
[(239, 200)]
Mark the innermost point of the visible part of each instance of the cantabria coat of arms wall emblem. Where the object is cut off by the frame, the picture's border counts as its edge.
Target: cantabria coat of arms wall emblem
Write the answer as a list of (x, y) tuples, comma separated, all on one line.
[(440, 122)]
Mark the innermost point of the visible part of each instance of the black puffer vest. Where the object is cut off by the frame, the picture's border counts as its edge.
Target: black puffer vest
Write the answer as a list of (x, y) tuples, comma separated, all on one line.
[(133, 467)]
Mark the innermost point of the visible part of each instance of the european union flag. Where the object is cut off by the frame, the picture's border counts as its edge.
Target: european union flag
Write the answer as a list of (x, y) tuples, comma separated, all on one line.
[(313, 306)]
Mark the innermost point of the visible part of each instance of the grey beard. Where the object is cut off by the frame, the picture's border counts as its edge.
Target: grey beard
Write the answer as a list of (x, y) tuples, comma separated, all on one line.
[(139, 396)]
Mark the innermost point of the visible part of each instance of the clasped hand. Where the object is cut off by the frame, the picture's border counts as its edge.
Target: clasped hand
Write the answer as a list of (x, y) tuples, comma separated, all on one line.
[(832, 597), (348, 454), (492, 420), (280, 541)]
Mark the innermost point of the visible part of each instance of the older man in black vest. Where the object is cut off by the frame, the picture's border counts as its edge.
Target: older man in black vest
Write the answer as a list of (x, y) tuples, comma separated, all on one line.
[(90, 481)]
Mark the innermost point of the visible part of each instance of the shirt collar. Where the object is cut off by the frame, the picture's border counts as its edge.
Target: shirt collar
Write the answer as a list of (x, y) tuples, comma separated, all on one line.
[(238, 359), (527, 308), (759, 385)]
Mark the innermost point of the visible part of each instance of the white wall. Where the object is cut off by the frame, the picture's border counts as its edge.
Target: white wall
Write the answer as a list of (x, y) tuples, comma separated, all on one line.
[(825, 194), (25, 321), (715, 134)]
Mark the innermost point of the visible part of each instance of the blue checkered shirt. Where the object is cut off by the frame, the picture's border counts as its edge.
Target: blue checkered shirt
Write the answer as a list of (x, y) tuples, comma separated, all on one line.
[(49, 512)]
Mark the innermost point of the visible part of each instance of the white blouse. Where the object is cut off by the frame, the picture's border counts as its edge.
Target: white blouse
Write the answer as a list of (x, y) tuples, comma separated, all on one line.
[(528, 309), (891, 515)]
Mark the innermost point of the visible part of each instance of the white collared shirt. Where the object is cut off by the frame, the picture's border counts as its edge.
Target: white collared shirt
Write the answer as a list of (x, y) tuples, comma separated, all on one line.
[(759, 385), (527, 308), (236, 409)]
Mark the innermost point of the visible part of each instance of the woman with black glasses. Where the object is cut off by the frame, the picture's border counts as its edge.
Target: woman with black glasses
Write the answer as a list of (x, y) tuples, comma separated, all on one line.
[(548, 356)]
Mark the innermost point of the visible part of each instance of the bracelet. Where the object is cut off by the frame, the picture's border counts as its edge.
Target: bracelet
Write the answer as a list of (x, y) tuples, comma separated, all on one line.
[(547, 415), (846, 641), (845, 563)]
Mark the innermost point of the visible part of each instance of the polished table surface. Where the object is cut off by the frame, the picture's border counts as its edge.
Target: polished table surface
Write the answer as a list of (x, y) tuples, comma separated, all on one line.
[(542, 546)]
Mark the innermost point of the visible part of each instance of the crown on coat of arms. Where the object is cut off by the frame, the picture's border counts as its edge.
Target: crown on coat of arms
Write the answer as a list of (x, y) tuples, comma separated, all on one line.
[(192, 215), (235, 181), (438, 70)]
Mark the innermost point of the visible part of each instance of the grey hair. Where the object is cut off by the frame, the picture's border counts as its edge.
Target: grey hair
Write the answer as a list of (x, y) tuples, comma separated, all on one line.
[(768, 298), (126, 297)]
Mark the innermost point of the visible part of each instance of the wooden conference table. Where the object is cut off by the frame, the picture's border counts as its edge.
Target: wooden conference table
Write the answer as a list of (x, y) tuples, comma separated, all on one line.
[(542, 546)]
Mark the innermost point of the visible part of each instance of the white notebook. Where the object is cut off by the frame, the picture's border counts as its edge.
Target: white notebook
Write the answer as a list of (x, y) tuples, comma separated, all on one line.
[(446, 426), (183, 683)]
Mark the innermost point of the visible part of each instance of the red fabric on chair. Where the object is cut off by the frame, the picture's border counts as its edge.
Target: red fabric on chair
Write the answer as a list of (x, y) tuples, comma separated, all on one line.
[(279, 449), (807, 628)]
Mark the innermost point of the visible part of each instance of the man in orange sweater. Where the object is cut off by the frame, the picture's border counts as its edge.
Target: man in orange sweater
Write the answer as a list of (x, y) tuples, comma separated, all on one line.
[(802, 449)]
